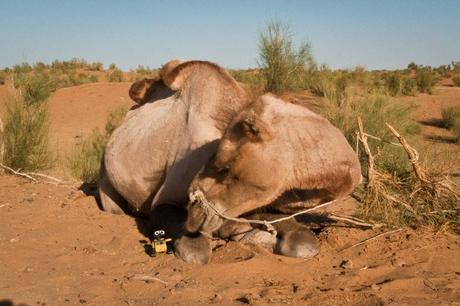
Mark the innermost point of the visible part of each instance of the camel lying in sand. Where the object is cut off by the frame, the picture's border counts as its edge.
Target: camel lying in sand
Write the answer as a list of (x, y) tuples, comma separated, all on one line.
[(268, 153)]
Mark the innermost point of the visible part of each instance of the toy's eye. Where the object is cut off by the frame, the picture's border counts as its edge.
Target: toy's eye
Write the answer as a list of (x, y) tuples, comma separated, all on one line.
[(162, 232), (157, 233)]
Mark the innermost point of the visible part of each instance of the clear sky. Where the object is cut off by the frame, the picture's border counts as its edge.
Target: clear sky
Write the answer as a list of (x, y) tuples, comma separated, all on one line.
[(376, 34)]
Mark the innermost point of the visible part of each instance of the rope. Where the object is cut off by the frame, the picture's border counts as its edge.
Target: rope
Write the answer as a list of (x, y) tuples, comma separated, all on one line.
[(198, 196)]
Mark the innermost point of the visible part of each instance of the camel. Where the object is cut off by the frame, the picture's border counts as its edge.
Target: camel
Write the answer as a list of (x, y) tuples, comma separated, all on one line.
[(152, 157), (195, 128), (278, 155)]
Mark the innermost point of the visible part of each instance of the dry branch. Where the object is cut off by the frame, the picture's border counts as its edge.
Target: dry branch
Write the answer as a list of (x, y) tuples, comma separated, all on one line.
[(18, 173), (372, 238), (437, 185)]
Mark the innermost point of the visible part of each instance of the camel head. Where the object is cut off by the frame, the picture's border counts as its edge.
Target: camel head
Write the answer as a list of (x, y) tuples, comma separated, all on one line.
[(242, 174)]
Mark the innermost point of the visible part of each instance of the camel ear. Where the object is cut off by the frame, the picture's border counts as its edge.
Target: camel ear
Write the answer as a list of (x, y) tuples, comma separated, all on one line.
[(173, 78), (255, 129), (250, 125), (139, 90)]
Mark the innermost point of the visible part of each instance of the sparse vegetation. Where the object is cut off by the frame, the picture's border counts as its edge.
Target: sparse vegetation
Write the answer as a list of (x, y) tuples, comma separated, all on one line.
[(114, 74), (456, 80), (85, 162), (422, 197), (343, 108), (25, 133), (142, 72), (283, 67), (451, 120), (425, 80)]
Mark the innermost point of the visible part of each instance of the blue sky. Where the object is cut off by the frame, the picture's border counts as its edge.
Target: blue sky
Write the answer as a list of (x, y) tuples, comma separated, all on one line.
[(376, 34)]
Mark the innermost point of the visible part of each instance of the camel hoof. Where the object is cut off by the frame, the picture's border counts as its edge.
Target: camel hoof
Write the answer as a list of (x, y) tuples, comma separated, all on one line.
[(300, 244), (193, 249)]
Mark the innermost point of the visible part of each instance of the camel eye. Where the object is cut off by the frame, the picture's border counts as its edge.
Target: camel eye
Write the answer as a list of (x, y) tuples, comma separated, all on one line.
[(223, 169)]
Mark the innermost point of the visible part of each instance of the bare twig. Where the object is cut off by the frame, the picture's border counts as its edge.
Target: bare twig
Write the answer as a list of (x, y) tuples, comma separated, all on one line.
[(371, 238), (18, 173), (353, 220), (435, 184), (148, 278), (370, 157), (47, 177), (413, 156)]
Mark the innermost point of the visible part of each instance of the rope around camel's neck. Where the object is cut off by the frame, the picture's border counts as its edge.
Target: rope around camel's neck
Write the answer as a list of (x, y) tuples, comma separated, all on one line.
[(210, 210)]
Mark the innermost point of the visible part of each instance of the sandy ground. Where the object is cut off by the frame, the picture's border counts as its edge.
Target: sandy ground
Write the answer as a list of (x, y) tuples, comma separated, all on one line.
[(58, 248)]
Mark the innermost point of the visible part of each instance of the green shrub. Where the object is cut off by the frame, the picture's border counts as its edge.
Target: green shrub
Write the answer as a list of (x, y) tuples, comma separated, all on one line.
[(393, 83), (456, 80), (114, 75), (283, 67), (409, 87), (25, 134), (251, 77), (96, 66), (322, 82), (450, 115), (85, 162), (35, 87), (425, 80), (451, 120)]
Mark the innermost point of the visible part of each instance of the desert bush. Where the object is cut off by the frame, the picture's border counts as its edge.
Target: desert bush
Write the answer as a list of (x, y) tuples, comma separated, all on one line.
[(425, 80), (412, 66), (322, 82), (85, 162), (456, 80), (114, 75), (450, 115), (35, 87), (451, 120), (25, 134), (251, 77), (22, 68), (409, 87), (343, 107), (144, 72), (393, 83), (283, 67), (424, 197), (96, 66)]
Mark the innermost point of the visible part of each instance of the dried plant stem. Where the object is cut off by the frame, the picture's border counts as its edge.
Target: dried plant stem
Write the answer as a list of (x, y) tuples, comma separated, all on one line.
[(375, 179), (372, 238), (18, 173), (437, 185)]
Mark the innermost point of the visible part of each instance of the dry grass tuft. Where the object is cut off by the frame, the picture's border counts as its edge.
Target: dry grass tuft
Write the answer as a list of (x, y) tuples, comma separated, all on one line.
[(422, 198), (85, 162)]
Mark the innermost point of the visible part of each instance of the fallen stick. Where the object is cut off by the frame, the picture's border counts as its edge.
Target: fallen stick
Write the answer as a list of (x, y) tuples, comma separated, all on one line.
[(148, 278), (371, 238), (18, 173), (47, 177), (353, 220)]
